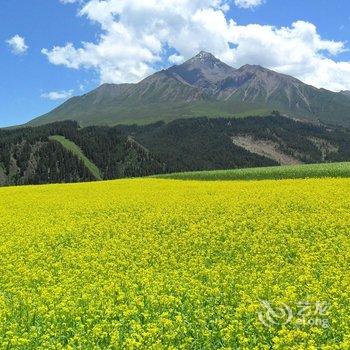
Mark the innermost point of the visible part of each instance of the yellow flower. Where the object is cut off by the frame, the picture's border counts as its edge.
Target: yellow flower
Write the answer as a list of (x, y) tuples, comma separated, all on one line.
[(166, 264)]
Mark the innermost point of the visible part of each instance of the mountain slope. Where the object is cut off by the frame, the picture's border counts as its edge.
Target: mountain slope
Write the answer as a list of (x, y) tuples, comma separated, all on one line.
[(203, 86), (62, 152), (73, 148), (33, 155)]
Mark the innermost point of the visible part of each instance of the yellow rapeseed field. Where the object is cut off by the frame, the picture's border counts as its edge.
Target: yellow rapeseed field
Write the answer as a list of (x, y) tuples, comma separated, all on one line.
[(166, 264)]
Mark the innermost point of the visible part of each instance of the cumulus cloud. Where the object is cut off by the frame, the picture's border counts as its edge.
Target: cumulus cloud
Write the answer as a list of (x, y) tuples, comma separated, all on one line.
[(57, 95), (17, 44), (297, 50), (248, 3), (176, 59), (136, 35)]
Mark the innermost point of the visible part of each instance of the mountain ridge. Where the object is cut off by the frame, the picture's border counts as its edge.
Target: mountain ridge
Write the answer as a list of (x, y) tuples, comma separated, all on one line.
[(203, 86)]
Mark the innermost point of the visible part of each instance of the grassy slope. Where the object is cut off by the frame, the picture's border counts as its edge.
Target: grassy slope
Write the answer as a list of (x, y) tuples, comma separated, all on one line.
[(283, 172), (72, 147), (327, 107), (132, 112)]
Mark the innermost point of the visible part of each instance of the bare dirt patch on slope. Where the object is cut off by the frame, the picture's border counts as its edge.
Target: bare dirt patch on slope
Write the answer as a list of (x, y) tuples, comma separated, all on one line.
[(264, 148)]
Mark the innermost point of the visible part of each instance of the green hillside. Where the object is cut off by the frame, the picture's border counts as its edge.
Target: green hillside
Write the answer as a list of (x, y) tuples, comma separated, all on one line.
[(65, 152), (334, 170), (72, 147), (327, 107)]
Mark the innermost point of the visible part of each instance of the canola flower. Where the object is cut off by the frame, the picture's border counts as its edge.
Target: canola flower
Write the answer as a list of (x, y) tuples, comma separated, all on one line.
[(167, 264)]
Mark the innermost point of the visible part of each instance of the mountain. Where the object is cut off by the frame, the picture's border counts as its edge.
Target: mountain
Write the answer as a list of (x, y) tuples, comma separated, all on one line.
[(65, 152), (203, 86), (346, 92)]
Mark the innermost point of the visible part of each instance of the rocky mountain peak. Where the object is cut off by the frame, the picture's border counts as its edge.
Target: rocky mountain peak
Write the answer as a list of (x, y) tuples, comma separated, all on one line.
[(202, 70), (206, 59), (205, 56)]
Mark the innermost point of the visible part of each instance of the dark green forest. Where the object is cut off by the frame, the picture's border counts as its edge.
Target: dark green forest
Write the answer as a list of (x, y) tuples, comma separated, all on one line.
[(29, 156)]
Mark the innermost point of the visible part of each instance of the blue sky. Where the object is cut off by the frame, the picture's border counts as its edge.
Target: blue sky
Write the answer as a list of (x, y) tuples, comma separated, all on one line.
[(125, 46)]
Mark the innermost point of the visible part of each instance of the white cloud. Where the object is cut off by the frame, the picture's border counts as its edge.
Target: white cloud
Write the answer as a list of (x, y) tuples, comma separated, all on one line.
[(297, 50), (135, 35), (176, 59), (17, 45), (248, 3), (69, 1), (58, 95)]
